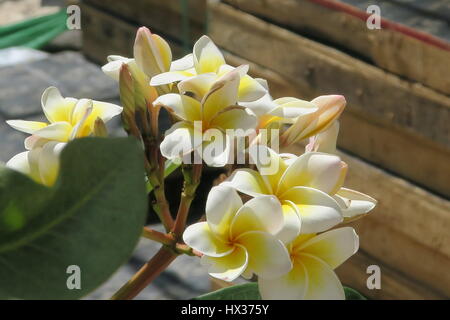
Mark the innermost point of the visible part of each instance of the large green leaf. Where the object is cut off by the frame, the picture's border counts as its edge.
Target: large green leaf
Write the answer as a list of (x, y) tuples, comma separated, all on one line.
[(91, 218), (246, 291), (249, 291), (352, 294)]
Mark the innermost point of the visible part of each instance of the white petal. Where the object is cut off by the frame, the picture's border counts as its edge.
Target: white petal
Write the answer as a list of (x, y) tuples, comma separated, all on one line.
[(268, 257), (222, 94), (105, 110), (333, 247), (355, 203), (20, 163), (82, 111), (250, 89), (292, 107), (199, 85), (200, 237), (33, 141), (26, 126), (291, 286), (221, 206), (292, 223), (180, 140), (112, 68), (249, 182), (58, 131), (169, 77), (318, 211), (55, 107), (49, 162), (216, 148), (323, 284), (316, 170), (182, 64), (261, 106), (164, 52), (261, 213), (235, 119), (228, 267), (326, 140), (182, 106), (269, 163), (207, 57)]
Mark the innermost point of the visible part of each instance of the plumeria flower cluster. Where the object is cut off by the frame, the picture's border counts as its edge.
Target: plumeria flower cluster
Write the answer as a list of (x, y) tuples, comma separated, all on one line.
[(68, 119), (282, 235), (277, 217)]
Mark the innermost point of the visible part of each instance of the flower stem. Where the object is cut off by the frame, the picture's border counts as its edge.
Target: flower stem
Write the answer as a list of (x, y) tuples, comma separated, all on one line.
[(192, 174), (153, 268), (157, 236)]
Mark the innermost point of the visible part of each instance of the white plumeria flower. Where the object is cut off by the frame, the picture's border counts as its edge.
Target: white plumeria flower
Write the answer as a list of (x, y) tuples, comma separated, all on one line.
[(354, 204), (216, 112), (314, 257), (69, 118), (41, 163), (208, 60), (238, 239), (304, 186)]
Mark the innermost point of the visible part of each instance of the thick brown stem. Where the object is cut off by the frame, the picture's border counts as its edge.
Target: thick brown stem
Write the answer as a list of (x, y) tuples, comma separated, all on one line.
[(153, 268)]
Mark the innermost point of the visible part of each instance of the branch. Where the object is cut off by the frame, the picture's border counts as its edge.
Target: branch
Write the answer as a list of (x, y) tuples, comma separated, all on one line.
[(153, 268), (157, 236), (191, 181)]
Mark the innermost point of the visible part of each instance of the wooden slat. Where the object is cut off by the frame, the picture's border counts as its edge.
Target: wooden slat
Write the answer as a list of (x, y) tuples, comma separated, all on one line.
[(401, 121), (373, 140), (108, 35), (394, 284), (407, 53), (161, 16)]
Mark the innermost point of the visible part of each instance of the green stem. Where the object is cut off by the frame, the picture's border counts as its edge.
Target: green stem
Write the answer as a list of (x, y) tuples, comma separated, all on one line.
[(192, 174)]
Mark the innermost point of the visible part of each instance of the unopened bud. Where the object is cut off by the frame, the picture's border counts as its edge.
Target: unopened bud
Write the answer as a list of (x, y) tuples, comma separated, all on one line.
[(329, 109), (100, 129), (151, 52)]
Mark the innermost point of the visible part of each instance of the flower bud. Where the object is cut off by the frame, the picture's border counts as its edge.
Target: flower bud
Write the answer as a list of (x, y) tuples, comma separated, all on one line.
[(100, 129), (329, 109), (151, 52)]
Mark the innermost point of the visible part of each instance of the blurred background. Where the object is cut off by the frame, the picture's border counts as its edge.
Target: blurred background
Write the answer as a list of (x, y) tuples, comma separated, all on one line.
[(395, 131)]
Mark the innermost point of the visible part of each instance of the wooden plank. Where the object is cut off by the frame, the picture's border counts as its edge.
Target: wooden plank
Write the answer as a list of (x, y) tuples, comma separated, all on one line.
[(408, 227), (324, 69), (397, 132), (373, 140), (108, 35), (161, 16), (394, 284), (415, 55)]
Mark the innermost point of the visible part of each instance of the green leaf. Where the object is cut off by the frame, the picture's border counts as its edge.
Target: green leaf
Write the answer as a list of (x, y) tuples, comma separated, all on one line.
[(92, 218), (352, 294), (249, 291), (246, 291)]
